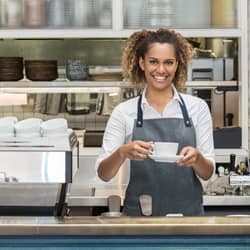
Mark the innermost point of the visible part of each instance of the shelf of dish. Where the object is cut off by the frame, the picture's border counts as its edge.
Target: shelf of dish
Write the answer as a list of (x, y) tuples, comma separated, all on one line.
[(105, 33), (64, 86)]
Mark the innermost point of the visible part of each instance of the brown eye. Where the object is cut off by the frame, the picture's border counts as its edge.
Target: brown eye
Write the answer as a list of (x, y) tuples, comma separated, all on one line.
[(153, 62), (169, 62)]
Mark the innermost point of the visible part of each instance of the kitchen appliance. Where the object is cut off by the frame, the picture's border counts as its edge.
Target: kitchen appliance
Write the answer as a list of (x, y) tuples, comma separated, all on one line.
[(227, 137), (222, 100), (211, 69), (35, 173), (93, 138)]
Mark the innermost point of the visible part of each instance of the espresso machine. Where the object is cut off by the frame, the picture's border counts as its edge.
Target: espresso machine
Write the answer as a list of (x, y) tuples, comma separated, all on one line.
[(35, 174)]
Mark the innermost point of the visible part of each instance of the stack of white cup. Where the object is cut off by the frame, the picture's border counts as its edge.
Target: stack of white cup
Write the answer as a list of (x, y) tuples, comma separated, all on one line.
[(28, 128), (7, 126), (54, 127)]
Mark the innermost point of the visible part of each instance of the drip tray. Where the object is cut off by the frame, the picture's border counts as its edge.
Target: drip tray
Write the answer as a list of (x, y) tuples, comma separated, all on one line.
[(26, 211)]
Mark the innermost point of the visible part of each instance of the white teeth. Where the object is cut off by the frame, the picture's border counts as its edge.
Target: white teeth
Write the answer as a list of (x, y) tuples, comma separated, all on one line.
[(160, 78)]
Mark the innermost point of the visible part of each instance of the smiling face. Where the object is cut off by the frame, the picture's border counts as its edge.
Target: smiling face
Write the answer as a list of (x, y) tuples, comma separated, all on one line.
[(159, 65)]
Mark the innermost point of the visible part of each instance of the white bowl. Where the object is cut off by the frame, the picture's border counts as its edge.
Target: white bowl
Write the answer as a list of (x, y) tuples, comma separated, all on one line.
[(28, 126), (54, 126), (7, 125)]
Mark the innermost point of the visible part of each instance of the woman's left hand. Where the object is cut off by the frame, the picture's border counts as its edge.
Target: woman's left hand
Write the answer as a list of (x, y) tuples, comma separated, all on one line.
[(192, 157), (189, 156)]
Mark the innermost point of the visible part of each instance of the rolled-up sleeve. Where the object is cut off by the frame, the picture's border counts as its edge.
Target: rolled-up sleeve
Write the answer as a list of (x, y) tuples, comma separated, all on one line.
[(114, 135)]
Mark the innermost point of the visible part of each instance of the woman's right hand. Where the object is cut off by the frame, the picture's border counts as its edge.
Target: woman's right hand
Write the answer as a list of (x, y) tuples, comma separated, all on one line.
[(136, 150)]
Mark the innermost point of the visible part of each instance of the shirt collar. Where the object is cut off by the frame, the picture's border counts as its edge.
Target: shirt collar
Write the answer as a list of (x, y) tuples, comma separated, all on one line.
[(144, 102)]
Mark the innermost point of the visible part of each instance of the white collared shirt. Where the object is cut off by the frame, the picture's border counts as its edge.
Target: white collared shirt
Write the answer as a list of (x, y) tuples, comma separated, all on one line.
[(120, 126)]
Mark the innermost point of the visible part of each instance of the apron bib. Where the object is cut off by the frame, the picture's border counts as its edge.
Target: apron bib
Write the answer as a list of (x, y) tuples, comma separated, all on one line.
[(174, 189)]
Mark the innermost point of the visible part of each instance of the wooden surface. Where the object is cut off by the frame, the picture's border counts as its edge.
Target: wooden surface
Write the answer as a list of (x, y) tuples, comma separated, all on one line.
[(125, 226)]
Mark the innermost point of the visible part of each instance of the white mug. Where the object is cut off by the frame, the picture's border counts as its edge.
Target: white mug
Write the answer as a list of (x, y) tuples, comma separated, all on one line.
[(165, 148)]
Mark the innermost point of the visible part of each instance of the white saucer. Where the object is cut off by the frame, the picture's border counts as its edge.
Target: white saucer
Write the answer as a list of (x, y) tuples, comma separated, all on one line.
[(165, 158)]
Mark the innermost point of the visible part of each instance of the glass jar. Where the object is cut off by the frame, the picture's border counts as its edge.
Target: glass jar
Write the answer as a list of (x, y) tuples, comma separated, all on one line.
[(11, 13), (81, 13), (35, 13), (223, 13)]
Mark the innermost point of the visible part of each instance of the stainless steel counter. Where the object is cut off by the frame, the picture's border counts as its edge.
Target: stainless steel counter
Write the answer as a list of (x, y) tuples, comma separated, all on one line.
[(124, 226)]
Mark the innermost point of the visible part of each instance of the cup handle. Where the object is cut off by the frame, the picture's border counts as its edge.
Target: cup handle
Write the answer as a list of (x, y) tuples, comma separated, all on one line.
[(152, 152)]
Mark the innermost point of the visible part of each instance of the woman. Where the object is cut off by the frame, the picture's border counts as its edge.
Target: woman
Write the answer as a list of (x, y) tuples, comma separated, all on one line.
[(159, 59)]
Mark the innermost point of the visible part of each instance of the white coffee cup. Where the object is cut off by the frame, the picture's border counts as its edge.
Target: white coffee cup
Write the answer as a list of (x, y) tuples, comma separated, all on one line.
[(7, 126), (29, 127), (165, 148), (53, 127)]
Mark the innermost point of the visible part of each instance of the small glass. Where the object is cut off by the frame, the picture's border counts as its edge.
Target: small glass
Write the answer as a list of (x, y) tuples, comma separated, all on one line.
[(77, 70)]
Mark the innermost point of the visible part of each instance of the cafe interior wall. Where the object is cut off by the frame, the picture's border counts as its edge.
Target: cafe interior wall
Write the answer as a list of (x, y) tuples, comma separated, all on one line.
[(94, 52)]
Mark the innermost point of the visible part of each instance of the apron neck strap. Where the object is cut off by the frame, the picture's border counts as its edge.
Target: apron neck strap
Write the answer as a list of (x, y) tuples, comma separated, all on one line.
[(139, 121), (184, 112)]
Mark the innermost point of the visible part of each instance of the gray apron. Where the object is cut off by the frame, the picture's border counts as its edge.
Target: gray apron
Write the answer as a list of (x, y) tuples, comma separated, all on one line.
[(174, 189)]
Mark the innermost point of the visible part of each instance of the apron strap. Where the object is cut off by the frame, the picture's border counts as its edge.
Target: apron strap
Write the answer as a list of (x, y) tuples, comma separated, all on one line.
[(139, 121), (184, 112)]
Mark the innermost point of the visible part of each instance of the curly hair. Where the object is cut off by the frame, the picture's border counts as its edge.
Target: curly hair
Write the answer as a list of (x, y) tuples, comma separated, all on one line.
[(137, 45)]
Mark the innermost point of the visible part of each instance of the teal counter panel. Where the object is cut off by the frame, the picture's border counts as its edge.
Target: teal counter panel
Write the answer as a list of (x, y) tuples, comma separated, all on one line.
[(231, 242)]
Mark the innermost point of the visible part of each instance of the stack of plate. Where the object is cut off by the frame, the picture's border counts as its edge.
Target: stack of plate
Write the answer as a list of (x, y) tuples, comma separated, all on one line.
[(41, 70), (11, 68)]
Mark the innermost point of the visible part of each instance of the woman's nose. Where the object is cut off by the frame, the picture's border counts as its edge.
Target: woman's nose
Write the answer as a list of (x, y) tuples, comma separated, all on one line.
[(161, 68)]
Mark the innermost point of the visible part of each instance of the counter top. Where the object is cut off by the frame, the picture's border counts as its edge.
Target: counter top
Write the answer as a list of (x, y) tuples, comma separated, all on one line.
[(124, 226)]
